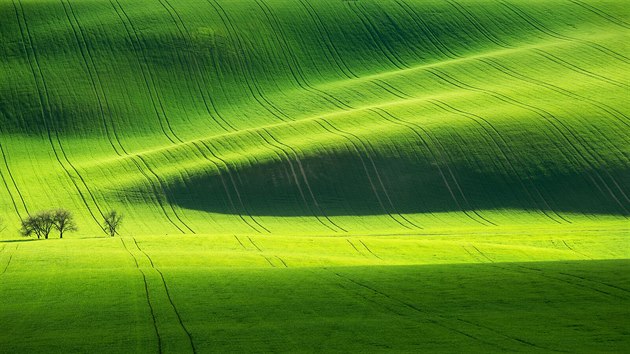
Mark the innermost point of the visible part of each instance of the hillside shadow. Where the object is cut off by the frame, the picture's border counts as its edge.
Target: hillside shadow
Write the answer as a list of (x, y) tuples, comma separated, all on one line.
[(24, 240), (338, 184)]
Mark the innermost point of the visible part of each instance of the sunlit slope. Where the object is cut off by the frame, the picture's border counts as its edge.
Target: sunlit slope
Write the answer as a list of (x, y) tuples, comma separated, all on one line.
[(315, 116), (487, 292)]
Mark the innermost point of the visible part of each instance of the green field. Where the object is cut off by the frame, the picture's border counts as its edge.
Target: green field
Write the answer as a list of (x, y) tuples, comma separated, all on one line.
[(317, 175), (504, 292)]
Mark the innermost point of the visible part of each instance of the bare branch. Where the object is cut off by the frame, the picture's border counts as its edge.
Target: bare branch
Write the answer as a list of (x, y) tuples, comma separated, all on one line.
[(63, 221), (112, 221)]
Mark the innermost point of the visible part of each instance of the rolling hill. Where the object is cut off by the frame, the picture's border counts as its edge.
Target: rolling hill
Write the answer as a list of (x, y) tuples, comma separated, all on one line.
[(341, 116), (317, 175)]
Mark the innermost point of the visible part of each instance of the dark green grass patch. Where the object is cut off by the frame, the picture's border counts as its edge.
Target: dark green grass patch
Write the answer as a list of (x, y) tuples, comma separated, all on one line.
[(578, 306)]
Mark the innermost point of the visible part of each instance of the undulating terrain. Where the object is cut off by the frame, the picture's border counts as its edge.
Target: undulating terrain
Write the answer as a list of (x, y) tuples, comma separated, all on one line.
[(308, 175)]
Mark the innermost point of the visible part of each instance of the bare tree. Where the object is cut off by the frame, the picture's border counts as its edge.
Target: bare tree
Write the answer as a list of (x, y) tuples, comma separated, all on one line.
[(29, 227), (63, 221), (112, 221), (39, 224)]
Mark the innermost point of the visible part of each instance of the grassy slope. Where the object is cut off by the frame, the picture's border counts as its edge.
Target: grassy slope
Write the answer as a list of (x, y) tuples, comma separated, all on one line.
[(355, 116), (382, 121), (530, 292)]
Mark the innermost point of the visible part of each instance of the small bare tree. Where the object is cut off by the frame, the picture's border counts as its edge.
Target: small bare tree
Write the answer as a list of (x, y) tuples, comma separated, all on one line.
[(29, 227), (63, 221), (39, 224), (112, 221)]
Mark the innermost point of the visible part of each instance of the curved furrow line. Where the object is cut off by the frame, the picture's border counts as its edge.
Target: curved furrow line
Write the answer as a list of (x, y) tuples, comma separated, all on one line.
[(517, 339), (4, 270), (239, 242), (309, 86), (271, 18), (439, 160), (441, 151), (245, 73), (391, 89), (162, 191), (134, 39), (11, 196), (159, 192), (233, 208), (548, 117), (355, 248), (146, 291), (578, 69), (148, 76), (369, 250), (575, 284), (283, 155), (334, 131), (285, 49), (447, 78), (6, 184), (574, 251), (169, 297), (426, 29), (367, 148), (622, 118), (97, 83), (440, 319), (476, 23), (292, 62), (205, 156), (482, 254), (85, 55), (595, 281), (465, 162), (287, 157), (543, 29), (44, 104), (474, 256), (361, 10), (268, 261), (430, 318), (602, 106), (590, 150), (236, 39), (330, 44), (376, 38), (308, 186), (283, 262), (504, 147), (183, 63), (235, 186), (254, 244), (152, 311), (601, 13), (306, 183), (185, 32), (146, 72)]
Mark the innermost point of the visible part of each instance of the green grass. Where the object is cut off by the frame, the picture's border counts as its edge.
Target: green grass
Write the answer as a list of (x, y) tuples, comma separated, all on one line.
[(347, 116), (483, 292), (433, 175)]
